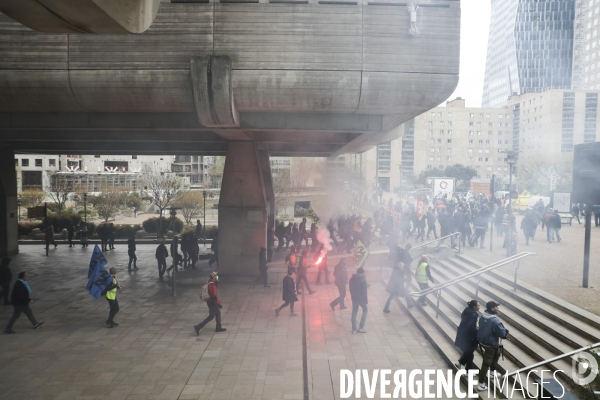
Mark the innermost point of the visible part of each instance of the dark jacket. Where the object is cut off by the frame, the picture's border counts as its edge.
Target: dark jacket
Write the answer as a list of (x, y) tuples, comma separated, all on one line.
[(491, 330), (555, 221), (341, 274), (395, 285), (466, 335), (131, 245), (161, 252), (262, 262), (289, 289), (70, 231), (5, 274), (20, 295), (358, 288)]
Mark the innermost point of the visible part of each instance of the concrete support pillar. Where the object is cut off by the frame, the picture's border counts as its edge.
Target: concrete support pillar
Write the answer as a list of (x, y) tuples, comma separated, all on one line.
[(8, 205), (244, 208)]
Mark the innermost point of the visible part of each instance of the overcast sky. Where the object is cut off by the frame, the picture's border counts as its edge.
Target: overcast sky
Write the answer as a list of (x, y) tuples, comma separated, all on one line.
[(474, 26)]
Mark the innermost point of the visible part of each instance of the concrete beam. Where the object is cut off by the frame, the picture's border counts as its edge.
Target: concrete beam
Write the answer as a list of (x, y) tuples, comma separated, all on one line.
[(83, 16), (8, 205)]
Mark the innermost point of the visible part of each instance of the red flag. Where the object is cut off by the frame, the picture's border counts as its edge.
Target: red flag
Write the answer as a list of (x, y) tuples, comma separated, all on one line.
[(420, 207)]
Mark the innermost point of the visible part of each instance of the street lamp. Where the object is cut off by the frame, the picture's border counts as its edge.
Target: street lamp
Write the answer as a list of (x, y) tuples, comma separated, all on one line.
[(19, 200), (511, 159), (204, 226)]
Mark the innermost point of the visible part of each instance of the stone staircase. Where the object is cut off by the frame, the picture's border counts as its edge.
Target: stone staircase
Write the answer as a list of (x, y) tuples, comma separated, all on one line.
[(541, 325)]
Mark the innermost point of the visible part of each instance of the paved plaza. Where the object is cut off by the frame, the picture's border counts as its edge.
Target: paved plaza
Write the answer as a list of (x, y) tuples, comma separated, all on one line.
[(155, 354)]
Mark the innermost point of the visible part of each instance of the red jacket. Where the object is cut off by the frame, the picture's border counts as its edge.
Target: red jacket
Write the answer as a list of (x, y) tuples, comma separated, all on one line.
[(212, 292)]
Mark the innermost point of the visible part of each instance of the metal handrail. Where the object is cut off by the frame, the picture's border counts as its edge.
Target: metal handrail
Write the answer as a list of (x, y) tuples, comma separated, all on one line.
[(438, 239), (544, 362), (472, 274)]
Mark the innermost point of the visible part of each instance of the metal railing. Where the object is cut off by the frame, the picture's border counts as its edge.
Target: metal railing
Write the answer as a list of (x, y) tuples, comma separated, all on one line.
[(457, 234), (550, 360), (473, 274)]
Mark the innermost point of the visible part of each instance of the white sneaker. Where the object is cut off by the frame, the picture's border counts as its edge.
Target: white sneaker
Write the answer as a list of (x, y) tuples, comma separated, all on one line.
[(354, 331), (482, 386), (457, 365), (493, 374), (361, 331)]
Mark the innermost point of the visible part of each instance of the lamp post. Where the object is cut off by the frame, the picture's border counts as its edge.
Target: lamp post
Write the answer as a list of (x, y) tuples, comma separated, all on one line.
[(511, 159), (204, 226), (19, 200), (85, 208)]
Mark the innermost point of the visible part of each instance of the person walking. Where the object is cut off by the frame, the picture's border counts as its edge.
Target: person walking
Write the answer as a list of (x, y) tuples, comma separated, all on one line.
[(112, 235), (83, 233), (554, 224), (431, 217), (528, 225), (161, 255), (466, 335), (596, 212), (301, 272), (490, 332), (262, 268), (340, 273), (174, 253), (5, 279), (270, 243), (280, 234), (303, 234), (322, 269), (214, 305), (575, 212), (289, 293), (20, 301), (103, 233), (50, 236), (131, 253), (331, 229), (423, 276), (358, 293), (111, 297), (198, 229), (70, 234), (395, 286)]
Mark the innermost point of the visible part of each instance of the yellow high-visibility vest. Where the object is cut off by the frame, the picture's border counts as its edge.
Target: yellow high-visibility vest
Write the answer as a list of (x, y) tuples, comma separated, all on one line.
[(422, 273), (112, 294)]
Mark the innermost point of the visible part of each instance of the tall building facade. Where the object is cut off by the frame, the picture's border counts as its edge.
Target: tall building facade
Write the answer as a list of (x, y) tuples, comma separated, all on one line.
[(586, 45), (530, 48)]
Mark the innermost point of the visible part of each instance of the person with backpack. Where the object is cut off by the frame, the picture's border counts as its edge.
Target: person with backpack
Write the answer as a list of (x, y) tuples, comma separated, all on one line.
[(358, 293), (209, 294), (466, 335), (262, 268), (340, 274), (289, 293), (111, 297), (490, 332), (20, 301), (161, 255)]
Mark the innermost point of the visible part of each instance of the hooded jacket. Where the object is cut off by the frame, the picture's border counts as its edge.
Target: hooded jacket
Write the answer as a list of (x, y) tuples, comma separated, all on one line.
[(358, 288), (491, 330), (466, 335)]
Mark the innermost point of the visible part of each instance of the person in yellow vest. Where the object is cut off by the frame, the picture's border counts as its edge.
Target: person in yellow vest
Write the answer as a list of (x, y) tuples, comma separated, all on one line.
[(111, 297), (423, 275)]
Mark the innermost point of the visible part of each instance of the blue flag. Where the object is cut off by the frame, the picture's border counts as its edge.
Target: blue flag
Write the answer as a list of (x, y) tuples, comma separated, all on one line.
[(98, 276)]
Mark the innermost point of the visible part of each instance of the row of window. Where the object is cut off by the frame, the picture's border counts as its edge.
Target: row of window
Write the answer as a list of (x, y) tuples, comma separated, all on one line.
[(38, 162)]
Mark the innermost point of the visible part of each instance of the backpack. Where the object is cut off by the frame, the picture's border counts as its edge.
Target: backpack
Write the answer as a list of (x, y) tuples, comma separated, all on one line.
[(204, 296)]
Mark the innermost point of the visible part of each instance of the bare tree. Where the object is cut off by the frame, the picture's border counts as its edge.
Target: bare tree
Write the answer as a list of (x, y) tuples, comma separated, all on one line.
[(59, 190), (216, 170), (164, 188), (281, 188), (32, 197), (106, 204), (191, 203)]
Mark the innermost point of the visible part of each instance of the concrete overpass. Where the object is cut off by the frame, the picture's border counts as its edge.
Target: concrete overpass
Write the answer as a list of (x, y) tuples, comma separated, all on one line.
[(244, 78)]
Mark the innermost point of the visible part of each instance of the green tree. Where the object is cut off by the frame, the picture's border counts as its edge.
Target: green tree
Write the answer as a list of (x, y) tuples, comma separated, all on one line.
[(191, 204), (534, 175)]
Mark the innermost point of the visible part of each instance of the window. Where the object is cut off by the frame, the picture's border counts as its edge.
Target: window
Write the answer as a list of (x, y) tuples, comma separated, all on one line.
[(439, 140), (487, 142), (433, 114), (432, 150), (506, 142), (449, 150), (16, 162), (449, 159), (479, 124), (134, 157), (429, 123), (490, 125), (489, 168), (449, 141), (470, 150), (480, 115), (24, 162), (97, 156), (499, 159), (442, 123), (430, 132), (441, 132), (487, 150), (449, 115), (429, 167), (38, 162), (486, 159), (471, 115), (449, 132), (470, 123), (499, 141), (449, 123), (470, 158), (477, 168), (490, 133), (480, 151), (52, 162), (470, 141), (471, 133), (431, 158), (478, 133), (499, 124), (480, 159), (440, 115), (507, 116), (431, 140), (506, 168), (500, 116), (498, 168), (439, 149), (499, 133), (487, 115), (481, 142)]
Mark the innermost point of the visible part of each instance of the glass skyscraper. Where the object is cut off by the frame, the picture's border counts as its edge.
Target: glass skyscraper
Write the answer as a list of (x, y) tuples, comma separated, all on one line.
[(530, 48)]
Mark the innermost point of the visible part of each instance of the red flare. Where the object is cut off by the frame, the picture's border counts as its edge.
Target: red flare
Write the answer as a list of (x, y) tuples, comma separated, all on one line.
[(319, 260)]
